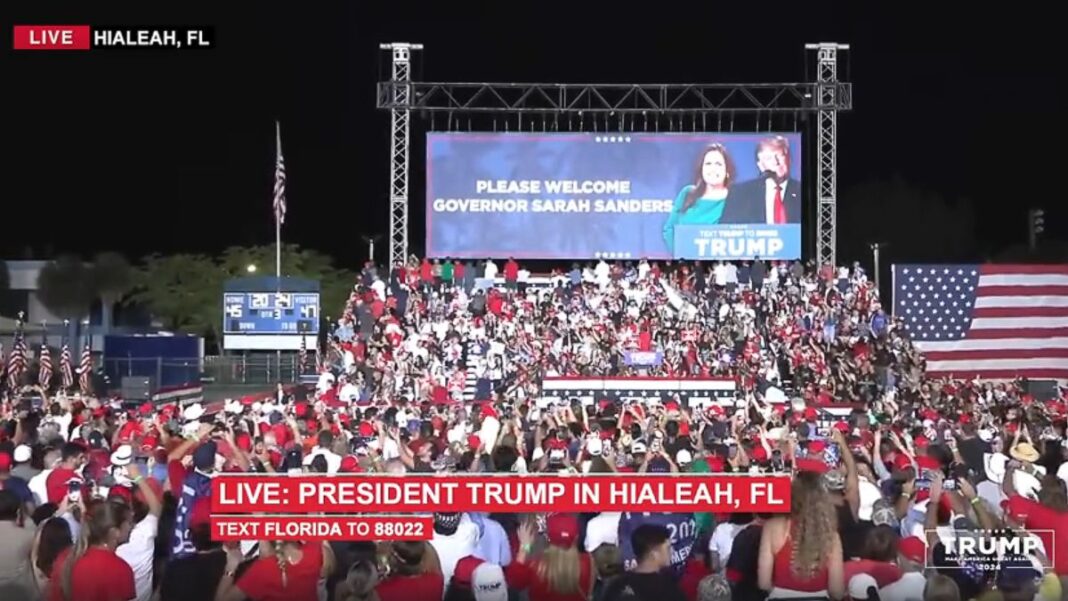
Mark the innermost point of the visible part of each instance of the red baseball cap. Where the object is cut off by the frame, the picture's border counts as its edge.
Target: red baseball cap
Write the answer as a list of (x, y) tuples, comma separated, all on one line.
[(758, 454), (5, 462), (121, 492), (562, 529), (811, 465), (367, 430), (349, 464), (913, 548), (842, 427), (922, 442), (464, 573), (474, 442), (902, 462), (817, 446), (145, 409)]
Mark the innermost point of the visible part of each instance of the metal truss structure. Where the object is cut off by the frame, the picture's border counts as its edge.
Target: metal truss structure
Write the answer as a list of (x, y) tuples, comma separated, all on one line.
[(827, 95), (400, 136), (615, 107)]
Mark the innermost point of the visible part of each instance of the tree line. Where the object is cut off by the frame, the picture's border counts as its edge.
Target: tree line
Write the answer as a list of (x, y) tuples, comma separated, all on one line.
[(183, 292)]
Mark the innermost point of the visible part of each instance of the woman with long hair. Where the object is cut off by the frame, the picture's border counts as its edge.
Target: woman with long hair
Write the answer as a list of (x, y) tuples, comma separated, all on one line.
[(285, 571), (703, 201), (360, 583), (53, 537), (412, 572), (802, 553), (561, 572), (90, 570)]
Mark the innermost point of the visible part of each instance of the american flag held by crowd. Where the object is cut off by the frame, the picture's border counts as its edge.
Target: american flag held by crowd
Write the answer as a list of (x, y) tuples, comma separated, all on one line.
[(901, 432)]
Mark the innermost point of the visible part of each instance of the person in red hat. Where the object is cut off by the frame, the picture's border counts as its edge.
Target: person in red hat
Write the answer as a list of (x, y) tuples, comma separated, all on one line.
[(561, 572)]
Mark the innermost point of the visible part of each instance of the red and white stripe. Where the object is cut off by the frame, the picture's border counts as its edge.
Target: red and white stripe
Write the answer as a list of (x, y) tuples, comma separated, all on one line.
[(85, 371), (65, 370), (279, 180), (1019, 327)]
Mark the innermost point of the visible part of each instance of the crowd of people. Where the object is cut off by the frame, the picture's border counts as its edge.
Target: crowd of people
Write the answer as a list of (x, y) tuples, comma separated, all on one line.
[(437, 366)]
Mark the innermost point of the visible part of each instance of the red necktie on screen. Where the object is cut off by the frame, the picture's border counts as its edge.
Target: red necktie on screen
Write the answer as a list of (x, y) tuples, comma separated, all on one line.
[(780, 208)]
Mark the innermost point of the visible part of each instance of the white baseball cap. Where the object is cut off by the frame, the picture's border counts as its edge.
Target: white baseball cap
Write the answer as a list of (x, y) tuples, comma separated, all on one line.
[(22, 454), (122, 455), (488, 583)]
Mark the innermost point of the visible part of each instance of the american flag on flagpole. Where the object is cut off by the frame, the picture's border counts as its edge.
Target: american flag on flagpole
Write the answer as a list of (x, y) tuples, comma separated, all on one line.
[(986, 321), (279, 180), (16, 364), (303, 353), (44, 371), (65, 371), (85, 371)]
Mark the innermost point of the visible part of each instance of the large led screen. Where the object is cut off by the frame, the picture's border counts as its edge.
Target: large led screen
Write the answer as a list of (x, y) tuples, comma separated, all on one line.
[(617, 196)]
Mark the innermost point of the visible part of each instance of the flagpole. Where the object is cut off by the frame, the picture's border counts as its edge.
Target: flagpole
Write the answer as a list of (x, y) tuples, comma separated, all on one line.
[(278, 216), (278, 220)]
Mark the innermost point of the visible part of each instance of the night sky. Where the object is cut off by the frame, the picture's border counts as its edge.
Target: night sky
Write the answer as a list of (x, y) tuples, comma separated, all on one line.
[(155, 151)]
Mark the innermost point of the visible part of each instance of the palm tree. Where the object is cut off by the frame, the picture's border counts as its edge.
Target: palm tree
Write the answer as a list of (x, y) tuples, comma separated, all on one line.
[(113, 278), (66, 288)]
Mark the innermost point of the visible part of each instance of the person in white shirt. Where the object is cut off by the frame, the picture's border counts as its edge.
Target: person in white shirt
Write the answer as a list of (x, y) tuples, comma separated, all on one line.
[(455, 537), (349, 391), (602, 271), (326, 382), (719, 274), (490, 274), (37, 483), (139, 550), (643, 269), (333, 461), (731, 271)]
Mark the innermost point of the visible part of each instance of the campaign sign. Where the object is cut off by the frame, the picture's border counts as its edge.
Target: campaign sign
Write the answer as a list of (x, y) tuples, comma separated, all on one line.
[(733, 242), (643, 358), (682, 528)]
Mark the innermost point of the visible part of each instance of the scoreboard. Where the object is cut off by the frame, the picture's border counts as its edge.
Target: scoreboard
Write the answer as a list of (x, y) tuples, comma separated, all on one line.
[(271, 313)]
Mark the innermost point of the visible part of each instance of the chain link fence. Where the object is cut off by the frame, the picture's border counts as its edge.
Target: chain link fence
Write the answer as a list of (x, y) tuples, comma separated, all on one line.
[(261, 370)]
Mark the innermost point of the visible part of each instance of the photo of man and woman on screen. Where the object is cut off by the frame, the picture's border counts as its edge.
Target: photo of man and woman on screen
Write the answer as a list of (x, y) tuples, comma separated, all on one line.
[(715, 198)]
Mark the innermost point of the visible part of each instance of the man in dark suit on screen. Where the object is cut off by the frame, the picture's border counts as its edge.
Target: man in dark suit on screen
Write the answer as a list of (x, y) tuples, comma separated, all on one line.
[(772, 198)]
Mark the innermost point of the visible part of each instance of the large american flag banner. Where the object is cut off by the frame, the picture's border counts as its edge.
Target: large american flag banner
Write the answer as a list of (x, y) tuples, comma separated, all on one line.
[(279, 180), (987, 321)]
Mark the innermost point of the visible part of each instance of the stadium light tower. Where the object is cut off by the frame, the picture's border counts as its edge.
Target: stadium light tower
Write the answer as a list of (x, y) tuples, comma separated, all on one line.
[(398, 149), (1036, 224)]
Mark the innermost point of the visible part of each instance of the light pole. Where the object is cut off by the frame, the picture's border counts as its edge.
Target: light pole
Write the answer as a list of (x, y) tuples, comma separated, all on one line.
[(875, 248), (1036, 224), (370, 240)]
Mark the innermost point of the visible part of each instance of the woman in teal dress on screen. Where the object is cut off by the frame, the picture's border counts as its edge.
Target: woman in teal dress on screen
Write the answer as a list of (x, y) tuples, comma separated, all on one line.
[(702, 202)]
